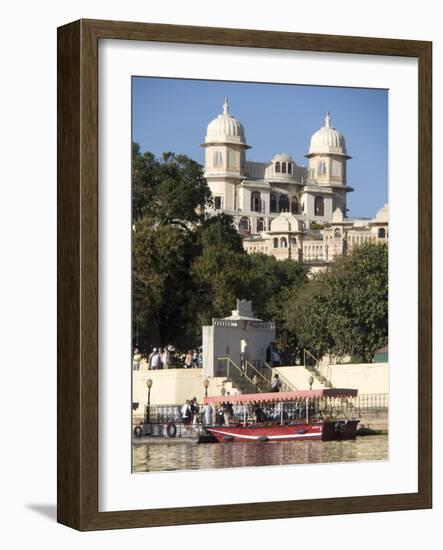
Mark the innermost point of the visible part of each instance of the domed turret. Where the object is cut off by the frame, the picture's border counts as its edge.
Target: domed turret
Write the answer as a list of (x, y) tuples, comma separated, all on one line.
[(225, 159), (382, 215), (225, 128), (327, 140)]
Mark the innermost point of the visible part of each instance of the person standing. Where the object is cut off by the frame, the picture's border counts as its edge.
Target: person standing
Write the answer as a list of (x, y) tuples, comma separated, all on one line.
[(136, 358), (228, 413), (194, 410), (188, 360), (276, 383), (156, 361), (167, 358), (186, 413), (208, 413)]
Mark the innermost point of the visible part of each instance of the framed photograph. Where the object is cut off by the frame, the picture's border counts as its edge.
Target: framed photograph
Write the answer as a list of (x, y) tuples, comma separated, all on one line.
[(244, 275)]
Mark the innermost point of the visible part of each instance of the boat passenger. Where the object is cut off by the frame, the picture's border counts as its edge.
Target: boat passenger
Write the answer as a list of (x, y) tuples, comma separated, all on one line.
[(228, 413)]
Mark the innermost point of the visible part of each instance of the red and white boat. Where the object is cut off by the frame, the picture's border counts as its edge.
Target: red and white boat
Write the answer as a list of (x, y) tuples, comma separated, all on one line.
[(312, 405)]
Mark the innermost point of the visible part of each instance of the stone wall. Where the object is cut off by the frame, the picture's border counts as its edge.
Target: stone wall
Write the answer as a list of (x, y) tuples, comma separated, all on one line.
[(368, 378)]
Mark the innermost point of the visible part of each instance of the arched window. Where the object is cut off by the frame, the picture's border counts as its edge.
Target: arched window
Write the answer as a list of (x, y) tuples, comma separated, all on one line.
[(321, 168), (302, 226), (337, 233), (260, 224), (294, 205), (277, 167), (283, 167), (283, 242), (289, 167), (273, 203), (381, 233), (283, 203), (244, 224), (255, 201), (319, 206), (218, 159), (293, 241), (275, 242)]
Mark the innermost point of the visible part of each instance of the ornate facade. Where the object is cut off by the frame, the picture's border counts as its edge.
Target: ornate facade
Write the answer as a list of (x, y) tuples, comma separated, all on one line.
[(283, 209)]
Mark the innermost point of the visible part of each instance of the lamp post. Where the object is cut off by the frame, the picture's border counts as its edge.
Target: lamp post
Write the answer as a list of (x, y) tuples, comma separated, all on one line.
[(206, 384), (148, 412), (311, 381)]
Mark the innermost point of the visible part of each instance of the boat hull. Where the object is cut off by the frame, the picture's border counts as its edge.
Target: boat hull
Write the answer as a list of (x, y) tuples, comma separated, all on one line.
[(322, 431)]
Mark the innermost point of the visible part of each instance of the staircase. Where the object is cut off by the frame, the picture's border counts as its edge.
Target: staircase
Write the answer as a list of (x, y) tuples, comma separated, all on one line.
[(247, 379), (268, 372), (314, 370), (252, 378)]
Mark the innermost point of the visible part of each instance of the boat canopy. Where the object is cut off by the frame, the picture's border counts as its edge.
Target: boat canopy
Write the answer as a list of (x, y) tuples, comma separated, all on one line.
[(276, 397)]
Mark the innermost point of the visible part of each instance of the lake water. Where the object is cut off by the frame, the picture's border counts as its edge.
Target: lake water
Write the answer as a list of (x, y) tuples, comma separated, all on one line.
[(154, 457)]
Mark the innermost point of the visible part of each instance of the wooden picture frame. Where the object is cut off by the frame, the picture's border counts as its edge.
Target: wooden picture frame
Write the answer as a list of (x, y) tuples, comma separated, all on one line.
[(78, 274)]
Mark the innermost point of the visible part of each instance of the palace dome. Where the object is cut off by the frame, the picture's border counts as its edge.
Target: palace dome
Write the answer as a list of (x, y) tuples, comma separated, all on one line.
[(225, 128), (327, 140), (382, 215), (282, 157), (285, 222)]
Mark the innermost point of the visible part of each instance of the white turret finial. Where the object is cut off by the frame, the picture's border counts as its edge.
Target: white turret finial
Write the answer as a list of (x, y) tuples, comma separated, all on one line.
[(226, 107), (328, 120)]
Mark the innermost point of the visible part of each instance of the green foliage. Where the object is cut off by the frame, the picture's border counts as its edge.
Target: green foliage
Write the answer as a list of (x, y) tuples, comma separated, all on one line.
[(170, 190), (162, 288), (344, 311), (189, 267), (315, 225)]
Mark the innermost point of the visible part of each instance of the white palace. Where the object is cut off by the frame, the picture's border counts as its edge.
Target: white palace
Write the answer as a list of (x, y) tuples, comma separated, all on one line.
[(283, 209)]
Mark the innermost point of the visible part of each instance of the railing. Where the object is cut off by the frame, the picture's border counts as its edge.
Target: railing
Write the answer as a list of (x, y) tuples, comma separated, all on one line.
[(355, 407), (240, 377), (314, 369), (285, 384), (257, 376), (268, 325)]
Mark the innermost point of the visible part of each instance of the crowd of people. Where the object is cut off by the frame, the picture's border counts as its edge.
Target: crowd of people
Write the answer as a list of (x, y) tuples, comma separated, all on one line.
[(208, 415), (167, 358)]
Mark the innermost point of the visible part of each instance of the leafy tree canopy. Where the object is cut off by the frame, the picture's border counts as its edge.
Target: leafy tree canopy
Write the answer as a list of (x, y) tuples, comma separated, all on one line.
[(344, 310), (168, 190)]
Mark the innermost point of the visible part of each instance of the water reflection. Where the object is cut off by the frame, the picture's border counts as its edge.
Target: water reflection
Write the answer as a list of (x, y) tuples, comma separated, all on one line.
[(152, 457)]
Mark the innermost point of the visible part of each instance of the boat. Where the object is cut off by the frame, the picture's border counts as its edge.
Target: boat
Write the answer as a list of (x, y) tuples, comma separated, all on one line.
[(285, 416)]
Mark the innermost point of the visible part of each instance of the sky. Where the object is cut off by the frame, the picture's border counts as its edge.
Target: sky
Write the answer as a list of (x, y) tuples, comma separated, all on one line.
[(172, 115)]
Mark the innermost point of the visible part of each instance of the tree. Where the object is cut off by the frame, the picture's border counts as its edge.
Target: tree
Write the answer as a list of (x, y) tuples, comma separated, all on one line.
[(168, 190), (221, 274), (162, 289), (344, 311)]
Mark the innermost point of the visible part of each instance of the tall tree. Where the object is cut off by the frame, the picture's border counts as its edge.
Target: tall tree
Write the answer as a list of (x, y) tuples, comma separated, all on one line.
[(344, 311), (168, 190)]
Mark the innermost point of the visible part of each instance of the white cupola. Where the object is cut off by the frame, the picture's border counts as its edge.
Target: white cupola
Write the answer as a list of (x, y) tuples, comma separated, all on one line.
[(327, 140), (225, 146), (225, 128)]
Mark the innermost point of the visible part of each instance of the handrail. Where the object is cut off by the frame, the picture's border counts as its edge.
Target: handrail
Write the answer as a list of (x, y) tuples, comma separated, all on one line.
[(256, 371), (242, 375), (285, 382), (315, 370), (317, 361)]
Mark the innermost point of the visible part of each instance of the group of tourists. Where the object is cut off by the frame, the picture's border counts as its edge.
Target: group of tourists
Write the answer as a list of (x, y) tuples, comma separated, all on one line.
[(193, 359), (167, 358), (160, 359), (190, 411), (208, 415)]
